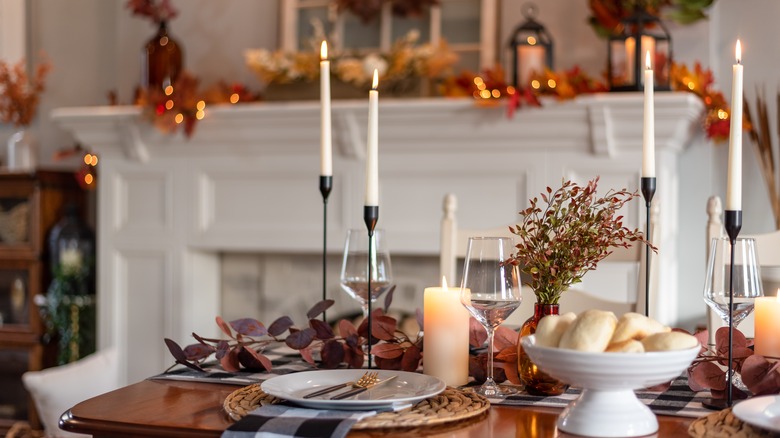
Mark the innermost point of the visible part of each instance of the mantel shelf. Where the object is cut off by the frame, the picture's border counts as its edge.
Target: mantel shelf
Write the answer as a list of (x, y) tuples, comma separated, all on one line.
[(611, 122)]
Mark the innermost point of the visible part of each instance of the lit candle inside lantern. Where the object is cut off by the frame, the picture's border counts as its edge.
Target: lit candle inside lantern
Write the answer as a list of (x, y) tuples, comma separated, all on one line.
[(446, 340), (767, 341), (734, 188), (648, 137), (326, 154), (372, 158), (530, 58)]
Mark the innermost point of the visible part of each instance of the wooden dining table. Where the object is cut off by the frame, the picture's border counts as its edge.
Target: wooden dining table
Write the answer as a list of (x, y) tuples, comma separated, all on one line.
[(167, 408)]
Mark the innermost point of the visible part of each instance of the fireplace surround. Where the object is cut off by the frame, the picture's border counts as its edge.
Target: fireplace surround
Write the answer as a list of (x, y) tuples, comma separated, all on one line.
[(246, 182)]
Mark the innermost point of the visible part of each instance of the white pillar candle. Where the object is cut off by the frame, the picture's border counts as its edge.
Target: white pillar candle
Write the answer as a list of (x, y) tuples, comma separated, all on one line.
[(648, 137), (372, 154), (767, 341), (734, 188), (530, 60), (326, 154), (446, 340)]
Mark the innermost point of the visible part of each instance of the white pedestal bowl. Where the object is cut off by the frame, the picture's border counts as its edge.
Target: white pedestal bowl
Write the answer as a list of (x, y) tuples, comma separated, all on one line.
[(608, 406)]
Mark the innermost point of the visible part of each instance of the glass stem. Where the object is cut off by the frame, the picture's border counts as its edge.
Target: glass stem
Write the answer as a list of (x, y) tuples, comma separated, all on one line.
[(490, 380)]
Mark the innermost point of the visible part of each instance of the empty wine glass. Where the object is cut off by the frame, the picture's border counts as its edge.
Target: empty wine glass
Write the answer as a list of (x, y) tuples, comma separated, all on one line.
[(747, 278), (491, 292), (354, 267)]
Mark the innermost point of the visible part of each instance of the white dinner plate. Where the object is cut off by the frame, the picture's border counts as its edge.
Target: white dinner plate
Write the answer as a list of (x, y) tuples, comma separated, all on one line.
[(404, 389), (763, 412)]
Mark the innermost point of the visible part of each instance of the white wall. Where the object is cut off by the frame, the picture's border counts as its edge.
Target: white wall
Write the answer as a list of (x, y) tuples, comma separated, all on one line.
[(95, 45)]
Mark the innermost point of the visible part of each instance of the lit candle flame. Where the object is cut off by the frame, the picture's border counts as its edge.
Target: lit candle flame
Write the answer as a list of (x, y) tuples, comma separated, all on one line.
[(738, 51), (647, 60), (444, 282), (324, 51), (375, 83)]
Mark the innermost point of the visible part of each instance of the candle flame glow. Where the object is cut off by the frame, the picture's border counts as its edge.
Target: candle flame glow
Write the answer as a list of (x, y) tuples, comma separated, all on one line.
[(647, 60), (324, 51), (444, 282), (375, 82), (738, 52)]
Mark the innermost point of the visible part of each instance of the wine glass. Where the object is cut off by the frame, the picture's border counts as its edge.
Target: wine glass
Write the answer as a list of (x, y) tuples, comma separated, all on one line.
[(354, 267), (747, 278), (491, 292)]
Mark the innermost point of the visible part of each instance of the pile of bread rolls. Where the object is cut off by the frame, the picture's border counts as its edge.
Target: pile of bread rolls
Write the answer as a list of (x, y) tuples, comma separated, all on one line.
[(602, 331)]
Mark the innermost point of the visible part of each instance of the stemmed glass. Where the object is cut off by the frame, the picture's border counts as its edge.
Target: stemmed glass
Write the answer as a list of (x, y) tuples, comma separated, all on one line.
[(747, 284), (354, 267), (747, 278), (491, 292)]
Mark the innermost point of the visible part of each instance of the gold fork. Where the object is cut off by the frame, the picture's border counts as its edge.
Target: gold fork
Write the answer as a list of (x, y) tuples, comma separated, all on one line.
[(365, 380)]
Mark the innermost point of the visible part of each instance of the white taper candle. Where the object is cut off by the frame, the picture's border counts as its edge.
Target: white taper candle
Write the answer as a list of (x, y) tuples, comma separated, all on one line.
[(734, 188), (326, 150), (648, 134), (372, 155)]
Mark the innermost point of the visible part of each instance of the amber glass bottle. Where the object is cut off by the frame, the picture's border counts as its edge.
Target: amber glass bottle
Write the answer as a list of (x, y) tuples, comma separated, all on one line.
[(161, 60), (537, 382)]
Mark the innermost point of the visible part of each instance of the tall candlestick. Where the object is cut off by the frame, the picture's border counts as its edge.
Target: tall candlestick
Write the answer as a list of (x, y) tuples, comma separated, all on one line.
[(734, 189), (767, 343), (648, 137), (326, 154), (372, 158), (446, 340)]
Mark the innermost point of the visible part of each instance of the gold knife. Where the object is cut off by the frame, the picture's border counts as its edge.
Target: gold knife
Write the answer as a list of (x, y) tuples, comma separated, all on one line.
[(359, 390)]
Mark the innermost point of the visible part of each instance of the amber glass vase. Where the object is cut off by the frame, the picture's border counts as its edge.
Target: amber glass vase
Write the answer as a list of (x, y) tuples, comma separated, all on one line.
[(537, 382), (161, 60)]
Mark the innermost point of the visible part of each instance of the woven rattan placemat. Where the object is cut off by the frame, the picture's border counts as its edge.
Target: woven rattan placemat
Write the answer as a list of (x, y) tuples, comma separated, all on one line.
[(451, 405), (723, 424)]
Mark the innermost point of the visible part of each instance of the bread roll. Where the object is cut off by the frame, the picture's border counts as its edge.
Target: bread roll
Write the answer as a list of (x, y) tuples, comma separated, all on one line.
[(636, 326), (669, 341), (628, 346), (591, 331), (552, 327)]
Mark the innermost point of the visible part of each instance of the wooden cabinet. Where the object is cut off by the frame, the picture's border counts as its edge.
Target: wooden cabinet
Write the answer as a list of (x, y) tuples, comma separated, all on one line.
[(30, 204)]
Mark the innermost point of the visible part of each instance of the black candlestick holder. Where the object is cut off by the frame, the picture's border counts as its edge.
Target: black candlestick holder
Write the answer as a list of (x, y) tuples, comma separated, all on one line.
[(648, 191), (733, 224), (326, 184), (370, 216)]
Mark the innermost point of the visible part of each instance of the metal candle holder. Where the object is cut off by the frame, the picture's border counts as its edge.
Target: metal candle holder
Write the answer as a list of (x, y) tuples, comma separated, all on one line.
[(733, 224), (326, 184), (648, 191), (370, 216)]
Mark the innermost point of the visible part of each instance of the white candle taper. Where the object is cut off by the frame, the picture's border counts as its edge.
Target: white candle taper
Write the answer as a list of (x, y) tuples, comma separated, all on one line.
[(648, 137), (734, 188), (372, 155), (326, 151)]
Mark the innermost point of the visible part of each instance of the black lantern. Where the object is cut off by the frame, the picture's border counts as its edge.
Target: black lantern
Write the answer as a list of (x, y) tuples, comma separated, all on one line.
[(637, 35), (532, 49)]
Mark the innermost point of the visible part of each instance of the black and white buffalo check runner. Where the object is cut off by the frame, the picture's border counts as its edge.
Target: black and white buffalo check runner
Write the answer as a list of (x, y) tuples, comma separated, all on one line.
[(678, 400)]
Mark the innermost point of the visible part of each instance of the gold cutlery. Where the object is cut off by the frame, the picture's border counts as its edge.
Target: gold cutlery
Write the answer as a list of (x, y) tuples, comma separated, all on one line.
[(362, 389), (366, 379)]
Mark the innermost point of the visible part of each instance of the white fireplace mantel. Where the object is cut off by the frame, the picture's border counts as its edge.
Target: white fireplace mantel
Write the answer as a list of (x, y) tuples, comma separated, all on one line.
[(247, 180)]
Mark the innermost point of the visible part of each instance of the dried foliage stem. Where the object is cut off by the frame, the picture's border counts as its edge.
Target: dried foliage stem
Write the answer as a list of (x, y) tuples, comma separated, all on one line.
[(759, 132), (575, 230), (19, 94)]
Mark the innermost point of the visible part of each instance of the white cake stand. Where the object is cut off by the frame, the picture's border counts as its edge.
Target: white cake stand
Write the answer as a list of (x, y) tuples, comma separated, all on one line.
[(608, 406)]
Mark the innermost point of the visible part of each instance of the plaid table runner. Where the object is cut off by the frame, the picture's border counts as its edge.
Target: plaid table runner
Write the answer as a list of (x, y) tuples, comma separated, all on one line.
[(280, 421), (678, 400), (284, 360)]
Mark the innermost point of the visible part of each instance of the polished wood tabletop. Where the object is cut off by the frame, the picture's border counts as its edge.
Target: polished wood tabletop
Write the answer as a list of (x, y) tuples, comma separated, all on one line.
[(165, 408)]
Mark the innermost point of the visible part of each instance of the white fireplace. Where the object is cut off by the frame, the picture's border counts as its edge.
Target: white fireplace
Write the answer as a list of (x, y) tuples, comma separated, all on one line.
[(247, 183)]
